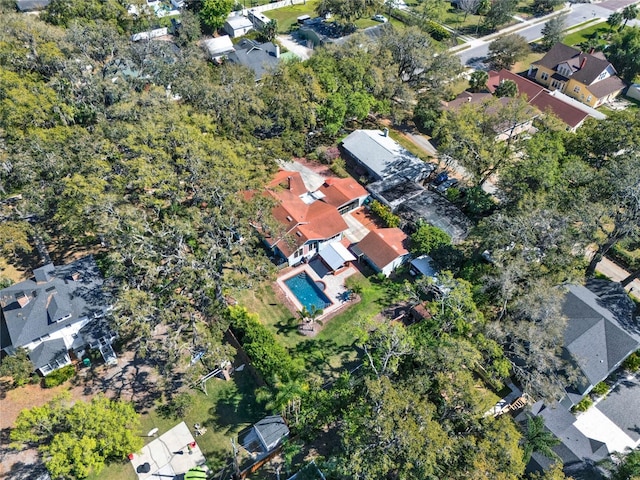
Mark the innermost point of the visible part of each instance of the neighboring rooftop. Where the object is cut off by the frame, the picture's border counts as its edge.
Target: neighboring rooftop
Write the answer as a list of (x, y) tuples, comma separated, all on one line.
[(539, 97), (55, 297), (383, 157), (218, 46), (340, 191), (259, 57), (382, 246), (439, 212), (585, 67), (594, 336)]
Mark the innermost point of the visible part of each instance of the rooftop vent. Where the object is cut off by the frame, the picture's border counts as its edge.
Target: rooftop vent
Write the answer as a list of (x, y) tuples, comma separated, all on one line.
[(22, 299)]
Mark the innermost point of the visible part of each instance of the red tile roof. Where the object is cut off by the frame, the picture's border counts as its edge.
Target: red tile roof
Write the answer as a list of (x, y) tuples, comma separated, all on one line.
[(340, 191), (539, 97), (384, 245), (302, 222)]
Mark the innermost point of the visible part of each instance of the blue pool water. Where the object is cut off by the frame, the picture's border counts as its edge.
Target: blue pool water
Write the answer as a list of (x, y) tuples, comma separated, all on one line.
[(307, 292)]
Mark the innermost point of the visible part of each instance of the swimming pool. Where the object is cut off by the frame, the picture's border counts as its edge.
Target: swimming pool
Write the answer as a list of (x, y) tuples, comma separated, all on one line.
[(307, 292)]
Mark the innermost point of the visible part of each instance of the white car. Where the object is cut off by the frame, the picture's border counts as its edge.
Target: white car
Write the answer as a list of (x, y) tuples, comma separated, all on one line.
[(380, 18)]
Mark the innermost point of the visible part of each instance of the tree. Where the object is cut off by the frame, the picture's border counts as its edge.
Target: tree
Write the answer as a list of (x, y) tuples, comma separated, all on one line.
[(214, 12), (468, 7), (543, 7), (80, 438), (428, 238), (500, 13), (419, 62), (17, 366), (478, 80), (629, 467), (426, 113), (433, 10), (392, 431), (614, 20), (189, 29), (348, 10), (270, 30), (538, 439), (624, 53), (553, 32), (508, 88), (505, 51), (630, 12)]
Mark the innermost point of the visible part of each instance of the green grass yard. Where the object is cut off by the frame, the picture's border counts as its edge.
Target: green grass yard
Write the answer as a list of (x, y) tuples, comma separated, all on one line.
[(585, 34), (329, 352), (229, 407), (287, 16)]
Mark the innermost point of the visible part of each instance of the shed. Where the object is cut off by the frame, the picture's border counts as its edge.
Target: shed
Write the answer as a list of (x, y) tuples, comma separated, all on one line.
[(335, 255), (634, 91), (219, 46), (423, 266), (238, 25)]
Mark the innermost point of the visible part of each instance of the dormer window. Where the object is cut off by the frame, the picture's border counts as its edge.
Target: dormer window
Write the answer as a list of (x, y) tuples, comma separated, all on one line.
[(289, 219)]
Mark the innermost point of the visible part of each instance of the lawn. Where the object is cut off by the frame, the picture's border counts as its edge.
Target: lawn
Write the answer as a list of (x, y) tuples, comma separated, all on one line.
[(229, 407), (585, 34), (287, 16), (332, 350), (409, 145)]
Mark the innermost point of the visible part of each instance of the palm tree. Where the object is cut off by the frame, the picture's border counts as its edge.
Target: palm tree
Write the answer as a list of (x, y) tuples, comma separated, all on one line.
[(614, 20), (478, 80), (630, 12), (282, 395), (538, 439)]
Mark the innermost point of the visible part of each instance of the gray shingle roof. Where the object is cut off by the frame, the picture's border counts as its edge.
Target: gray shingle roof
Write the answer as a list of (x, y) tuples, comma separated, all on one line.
[(30, 5), (259, 57), (272, 430), (383, 157), (47, 352), (63, 296), (594, 336)]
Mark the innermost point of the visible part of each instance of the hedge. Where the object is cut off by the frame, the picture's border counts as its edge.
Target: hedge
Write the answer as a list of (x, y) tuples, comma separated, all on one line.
[(59, 376), (268, 357)]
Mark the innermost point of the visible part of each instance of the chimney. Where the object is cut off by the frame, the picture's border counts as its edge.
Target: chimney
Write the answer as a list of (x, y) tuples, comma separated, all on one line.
[(385, 132), (583, 63), (22, 299), (593, 49), (289, 182), (277, 51)]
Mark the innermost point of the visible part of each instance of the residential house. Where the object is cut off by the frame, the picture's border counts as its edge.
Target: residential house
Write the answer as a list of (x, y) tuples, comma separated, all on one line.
[(56, 315), (601, 332), (345, 194), (384, 249), (237, 26), (259, 57), (307, 222), (567, 110), (32, 5), (381, 157), (587, 77)]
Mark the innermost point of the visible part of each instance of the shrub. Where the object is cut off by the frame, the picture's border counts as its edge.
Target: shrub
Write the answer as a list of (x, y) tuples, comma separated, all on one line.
[(268, 357), (583, 405), (632, 363), (600, 389), (177, 407), (59, 376), (339, 168), (386, 215), (428, 238), (437, 31)]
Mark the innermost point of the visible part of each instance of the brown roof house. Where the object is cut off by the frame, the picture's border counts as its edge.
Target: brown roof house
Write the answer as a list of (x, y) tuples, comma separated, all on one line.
[(587, 77), (309, 220), (570, 112), (383, 249)]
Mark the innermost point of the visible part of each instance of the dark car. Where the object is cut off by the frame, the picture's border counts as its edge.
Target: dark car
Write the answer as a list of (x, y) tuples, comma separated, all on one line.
[(444, 186), (441, 177)]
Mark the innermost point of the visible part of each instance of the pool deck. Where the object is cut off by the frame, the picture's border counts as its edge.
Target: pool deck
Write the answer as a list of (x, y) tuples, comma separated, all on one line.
[(334, 288)]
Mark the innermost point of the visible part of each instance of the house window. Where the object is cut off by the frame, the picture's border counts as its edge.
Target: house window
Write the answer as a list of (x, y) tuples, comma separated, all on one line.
[(589, 98), (582, 96), (544, 76), (602, 75), (576, 89)]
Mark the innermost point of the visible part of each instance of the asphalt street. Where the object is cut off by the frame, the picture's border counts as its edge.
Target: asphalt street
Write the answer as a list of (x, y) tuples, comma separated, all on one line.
[(578, 13)]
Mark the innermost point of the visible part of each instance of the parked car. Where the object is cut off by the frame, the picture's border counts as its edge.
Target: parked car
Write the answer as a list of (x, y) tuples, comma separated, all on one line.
[(440, 178), (444, 186), (380, 18)]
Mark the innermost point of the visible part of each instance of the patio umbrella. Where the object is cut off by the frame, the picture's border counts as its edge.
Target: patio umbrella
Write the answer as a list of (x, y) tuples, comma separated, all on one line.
[(195, 473)]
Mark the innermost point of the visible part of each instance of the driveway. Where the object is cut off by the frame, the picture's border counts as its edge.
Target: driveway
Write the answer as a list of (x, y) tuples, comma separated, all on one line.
[(296, 45)]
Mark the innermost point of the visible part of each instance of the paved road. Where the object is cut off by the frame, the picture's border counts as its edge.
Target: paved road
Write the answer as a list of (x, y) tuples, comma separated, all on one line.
[(578, 13)]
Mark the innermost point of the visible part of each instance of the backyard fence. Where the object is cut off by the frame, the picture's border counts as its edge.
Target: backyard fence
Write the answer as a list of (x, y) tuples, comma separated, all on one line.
[(272, 6)]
